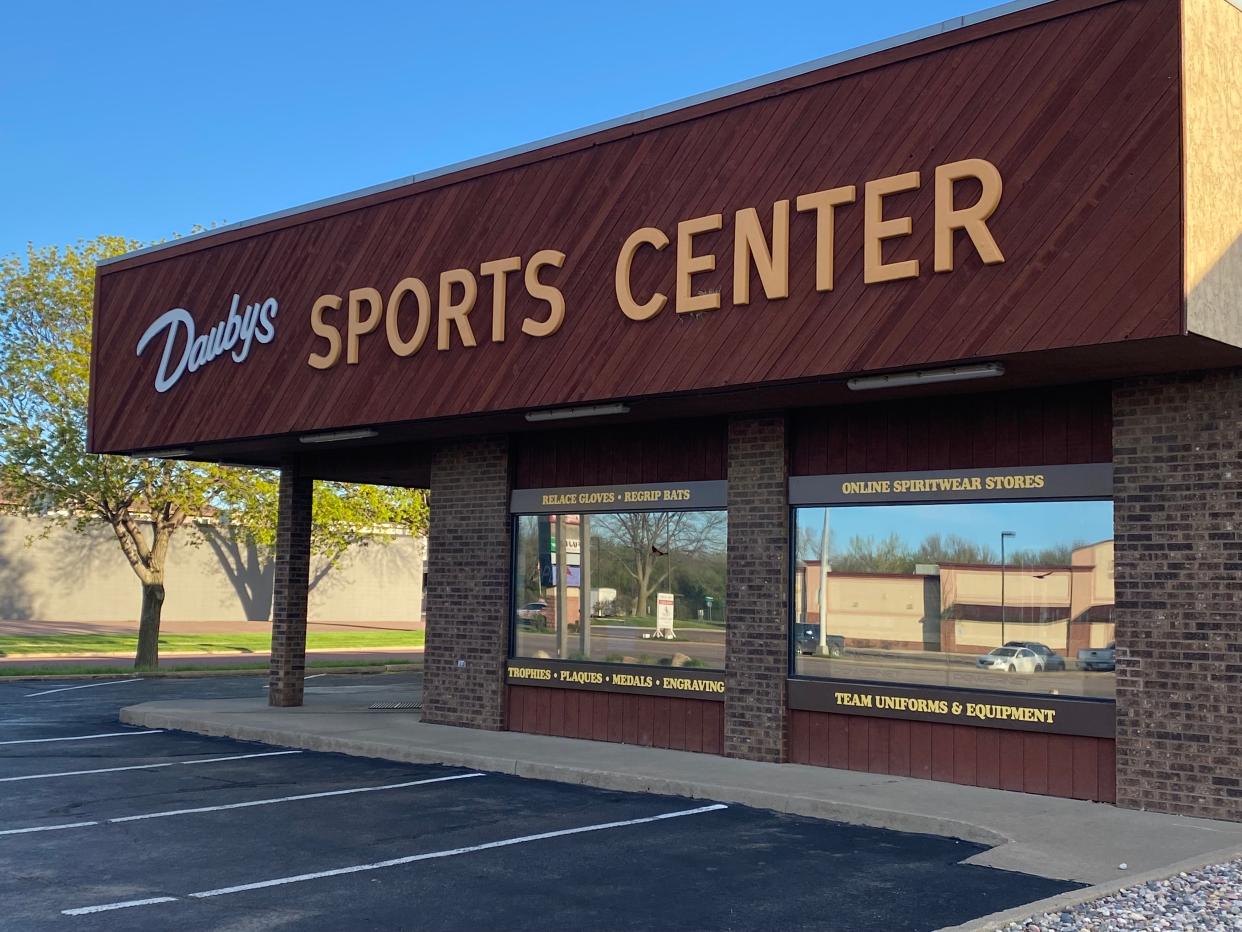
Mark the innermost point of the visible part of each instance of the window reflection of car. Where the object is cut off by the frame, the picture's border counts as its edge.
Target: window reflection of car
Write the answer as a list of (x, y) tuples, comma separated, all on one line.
[(532, 609), (1011, 659), (1098, 658), (1050, 659), (806, 640)]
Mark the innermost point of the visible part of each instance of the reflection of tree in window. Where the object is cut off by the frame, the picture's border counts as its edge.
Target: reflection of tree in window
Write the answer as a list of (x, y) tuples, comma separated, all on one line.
[(918, 593), (682, 548), (529, 585), (892, 555)]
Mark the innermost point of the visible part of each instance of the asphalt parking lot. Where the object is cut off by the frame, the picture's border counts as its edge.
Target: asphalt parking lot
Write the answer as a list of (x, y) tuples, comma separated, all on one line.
[(103, 826)]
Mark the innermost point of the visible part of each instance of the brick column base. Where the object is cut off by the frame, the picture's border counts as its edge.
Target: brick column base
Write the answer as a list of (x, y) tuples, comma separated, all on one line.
[(1177, 454), (292, 578), (757, 590), (468, 584)]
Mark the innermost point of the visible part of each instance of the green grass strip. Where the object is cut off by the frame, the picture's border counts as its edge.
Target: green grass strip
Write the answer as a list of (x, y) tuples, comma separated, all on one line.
[(241, 643), (106, 670)]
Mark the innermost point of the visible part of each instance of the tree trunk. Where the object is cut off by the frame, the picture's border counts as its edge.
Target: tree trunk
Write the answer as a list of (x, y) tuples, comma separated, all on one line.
[(644, 588), (148, 656)]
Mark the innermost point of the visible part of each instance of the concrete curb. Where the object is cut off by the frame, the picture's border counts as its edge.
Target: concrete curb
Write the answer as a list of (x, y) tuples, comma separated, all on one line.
[(1074, 898), (600, 779), (190, 674)]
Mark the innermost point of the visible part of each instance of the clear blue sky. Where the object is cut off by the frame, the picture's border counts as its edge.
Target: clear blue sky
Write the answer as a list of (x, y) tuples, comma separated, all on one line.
[(143, 118)]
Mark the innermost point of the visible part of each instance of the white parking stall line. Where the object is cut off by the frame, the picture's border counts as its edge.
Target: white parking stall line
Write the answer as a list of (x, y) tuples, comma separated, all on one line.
[(396, 862), (216, 760), (107, 734), (291, 799), (174, 763), (46, 828), (243, 805), (87, 910), (65, 689)]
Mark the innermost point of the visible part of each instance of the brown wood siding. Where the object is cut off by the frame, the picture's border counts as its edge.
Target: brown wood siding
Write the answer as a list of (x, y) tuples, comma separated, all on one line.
[(679, 451), (1049, 765), (1046, 427), (1076, 103), (648, 721)]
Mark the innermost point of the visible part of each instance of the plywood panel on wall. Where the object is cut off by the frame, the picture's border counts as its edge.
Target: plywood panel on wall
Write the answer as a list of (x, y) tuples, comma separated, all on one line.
[(649, 721), (1046, 427), (1049, 765), (676, 451), (1076, 102)]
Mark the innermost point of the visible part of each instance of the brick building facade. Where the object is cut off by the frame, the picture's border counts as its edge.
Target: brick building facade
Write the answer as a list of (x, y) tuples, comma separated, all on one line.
[(776, 439), (466, 648), (757, 650), (1178, 466)]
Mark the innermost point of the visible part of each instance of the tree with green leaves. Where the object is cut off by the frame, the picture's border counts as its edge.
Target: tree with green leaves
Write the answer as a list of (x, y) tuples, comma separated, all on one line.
[(45, 336), (344, 516), (46, 301), (647, 538)]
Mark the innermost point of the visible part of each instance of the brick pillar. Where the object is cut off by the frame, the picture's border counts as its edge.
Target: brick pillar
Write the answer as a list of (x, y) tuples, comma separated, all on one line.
[(292, 577), (1177, 452), (757, 590), (468, 584)]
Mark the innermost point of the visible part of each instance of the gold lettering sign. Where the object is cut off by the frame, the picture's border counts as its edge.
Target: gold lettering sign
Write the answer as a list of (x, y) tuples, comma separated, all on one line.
[(708, 495), (1000, 481), (529, 673), (626, 496), (705, 686), (983, 711), (759, 239)]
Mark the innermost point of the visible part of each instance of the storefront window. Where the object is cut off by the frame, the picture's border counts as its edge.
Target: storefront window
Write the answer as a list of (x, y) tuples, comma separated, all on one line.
[(634, 588), (985, 595)]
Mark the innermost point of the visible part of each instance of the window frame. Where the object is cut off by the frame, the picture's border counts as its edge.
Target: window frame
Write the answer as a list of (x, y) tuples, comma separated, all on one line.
[(1089, 486), (697, 496)]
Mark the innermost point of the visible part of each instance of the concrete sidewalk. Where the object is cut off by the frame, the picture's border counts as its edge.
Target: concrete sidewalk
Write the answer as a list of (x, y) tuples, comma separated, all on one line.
[(1059, 838)]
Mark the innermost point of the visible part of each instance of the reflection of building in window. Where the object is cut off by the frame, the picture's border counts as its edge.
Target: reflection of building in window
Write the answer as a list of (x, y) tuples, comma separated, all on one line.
[(958, 607), (631, 564)]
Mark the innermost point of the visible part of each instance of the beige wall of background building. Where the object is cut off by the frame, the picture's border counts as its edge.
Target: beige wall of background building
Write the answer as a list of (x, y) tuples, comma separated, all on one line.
[(67, 577), (1065, 607)]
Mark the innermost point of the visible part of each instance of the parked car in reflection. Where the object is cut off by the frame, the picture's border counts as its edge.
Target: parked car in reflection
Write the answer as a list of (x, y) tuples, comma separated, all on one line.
[(532, 609), (806, 641), (1098, 658), (1011, 659), (1048, 658)]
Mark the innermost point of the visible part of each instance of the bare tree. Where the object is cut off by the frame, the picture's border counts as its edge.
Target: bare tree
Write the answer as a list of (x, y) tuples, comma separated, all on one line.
[(646, 536)]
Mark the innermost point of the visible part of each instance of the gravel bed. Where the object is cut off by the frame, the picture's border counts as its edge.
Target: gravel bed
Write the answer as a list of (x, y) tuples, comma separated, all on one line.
[(1208, 899)]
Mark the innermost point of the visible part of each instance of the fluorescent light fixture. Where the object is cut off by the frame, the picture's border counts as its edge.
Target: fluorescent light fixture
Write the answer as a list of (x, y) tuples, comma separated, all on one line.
[(987, 370), (167, 454), (338, 435), (566, 414)]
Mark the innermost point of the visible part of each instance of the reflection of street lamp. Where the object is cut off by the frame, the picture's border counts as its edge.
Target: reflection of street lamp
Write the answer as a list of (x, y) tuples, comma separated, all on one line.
[(1004, 534), (823, 587)]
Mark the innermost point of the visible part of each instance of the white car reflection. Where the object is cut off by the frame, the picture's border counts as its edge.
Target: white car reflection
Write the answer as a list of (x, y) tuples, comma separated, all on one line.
[(1011, 659)]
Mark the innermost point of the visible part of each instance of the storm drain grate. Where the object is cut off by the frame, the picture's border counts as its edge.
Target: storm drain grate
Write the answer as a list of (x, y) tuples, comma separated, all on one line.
[(396, 706)]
